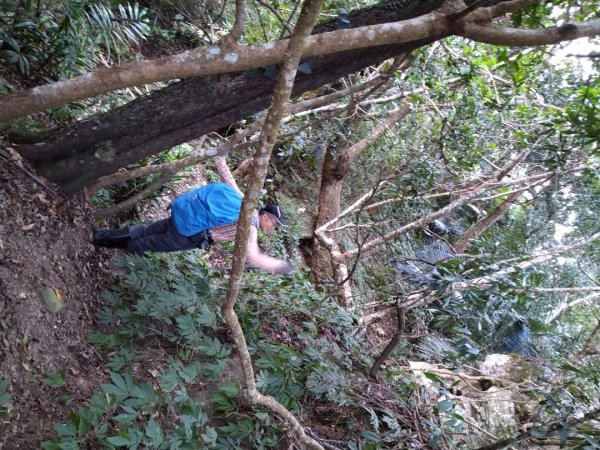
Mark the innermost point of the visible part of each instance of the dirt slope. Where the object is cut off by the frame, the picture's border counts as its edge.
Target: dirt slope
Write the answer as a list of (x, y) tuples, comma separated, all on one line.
[(43, 245)]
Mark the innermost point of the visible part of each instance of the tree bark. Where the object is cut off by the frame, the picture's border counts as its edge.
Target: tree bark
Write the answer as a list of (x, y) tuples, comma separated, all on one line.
[(486, 223), (78, 156), (267, 140), (335, 168)]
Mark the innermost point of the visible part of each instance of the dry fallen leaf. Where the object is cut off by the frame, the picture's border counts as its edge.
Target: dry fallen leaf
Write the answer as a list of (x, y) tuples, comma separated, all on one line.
[(28, 227), (15, 156), (42, 198), (51, 299)]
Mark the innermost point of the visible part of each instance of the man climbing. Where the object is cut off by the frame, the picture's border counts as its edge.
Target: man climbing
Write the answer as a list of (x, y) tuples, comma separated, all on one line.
[(198, 219)]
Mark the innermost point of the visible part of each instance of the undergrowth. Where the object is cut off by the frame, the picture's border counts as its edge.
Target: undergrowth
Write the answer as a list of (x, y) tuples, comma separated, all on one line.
[(171, 381)]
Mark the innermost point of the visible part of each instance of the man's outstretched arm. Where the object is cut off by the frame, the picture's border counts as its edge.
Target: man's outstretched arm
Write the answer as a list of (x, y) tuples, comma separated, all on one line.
[(263, 261)]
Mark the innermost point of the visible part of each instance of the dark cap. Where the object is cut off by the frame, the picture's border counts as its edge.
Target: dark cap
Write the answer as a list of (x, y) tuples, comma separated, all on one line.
[(275, 211)]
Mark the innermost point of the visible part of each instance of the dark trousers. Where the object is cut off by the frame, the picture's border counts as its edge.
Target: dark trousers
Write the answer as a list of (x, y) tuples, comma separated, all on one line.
[(162, 236)]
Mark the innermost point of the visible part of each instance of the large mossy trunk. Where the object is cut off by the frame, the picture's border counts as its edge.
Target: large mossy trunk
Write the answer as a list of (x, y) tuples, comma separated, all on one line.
[(76, 157)]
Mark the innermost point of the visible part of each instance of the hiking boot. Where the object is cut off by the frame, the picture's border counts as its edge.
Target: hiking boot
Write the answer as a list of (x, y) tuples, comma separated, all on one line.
[(118, 238)]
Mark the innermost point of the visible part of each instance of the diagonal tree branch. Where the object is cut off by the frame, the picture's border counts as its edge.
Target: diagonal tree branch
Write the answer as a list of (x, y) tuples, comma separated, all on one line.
[(283, 89), (240, 18), (564, 306), (423, 295), (487, 221), (514, 37)]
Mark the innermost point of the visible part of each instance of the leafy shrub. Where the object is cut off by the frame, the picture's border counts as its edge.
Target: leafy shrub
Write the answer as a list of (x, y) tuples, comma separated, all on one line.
[(69, 38)]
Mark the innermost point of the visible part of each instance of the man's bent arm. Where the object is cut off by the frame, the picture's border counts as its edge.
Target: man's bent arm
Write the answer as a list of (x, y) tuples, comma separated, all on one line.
[(225, 173), (263, 261)]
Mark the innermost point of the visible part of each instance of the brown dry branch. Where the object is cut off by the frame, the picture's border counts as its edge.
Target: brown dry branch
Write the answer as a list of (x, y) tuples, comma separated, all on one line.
[(340, 268), (338, 258), (468, 186), (567, 289), (591, 346), (131, 202), (284, 23), (330, 242), (466, 195), (268, 137), (199, 155), (424, 295), (487, 222), (565, 306), (240, 18), (549, 427), (401, 312)]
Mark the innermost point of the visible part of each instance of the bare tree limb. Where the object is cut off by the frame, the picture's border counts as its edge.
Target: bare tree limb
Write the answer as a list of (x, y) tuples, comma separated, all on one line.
[(392, 118), (268, 137), (549, 427), (553, 315), (424, 295), (392, 343), (284, 23), (515, 37), (240, 18), (499, 9), (591, 346), (487, 222), (130, 202), (567, 289)]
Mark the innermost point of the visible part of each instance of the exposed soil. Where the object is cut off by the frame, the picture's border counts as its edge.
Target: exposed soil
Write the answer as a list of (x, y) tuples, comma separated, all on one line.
[(43, 246)]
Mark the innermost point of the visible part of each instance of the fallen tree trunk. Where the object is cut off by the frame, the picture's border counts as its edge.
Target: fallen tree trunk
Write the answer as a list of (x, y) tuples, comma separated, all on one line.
[(76, 157)]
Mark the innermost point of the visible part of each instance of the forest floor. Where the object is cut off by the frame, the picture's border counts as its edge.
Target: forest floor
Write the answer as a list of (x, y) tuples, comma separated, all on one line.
[(51, 279)]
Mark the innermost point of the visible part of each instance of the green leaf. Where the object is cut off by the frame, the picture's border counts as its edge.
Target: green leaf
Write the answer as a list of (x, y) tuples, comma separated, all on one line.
[(55, 379), (64, 430), (126, 417), (433, 377), (189, 373), (461, 330), (114, 390), (570, 368), (445, 405), (4, 382), (564, 433), (230, 389), (154, 432), (210, 436), (435, 438), (207, 317), (370, 436), (119, 382), (261, 415), (540, 432), (168, 380), (239, 430), (591, 440), (121, 440)]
